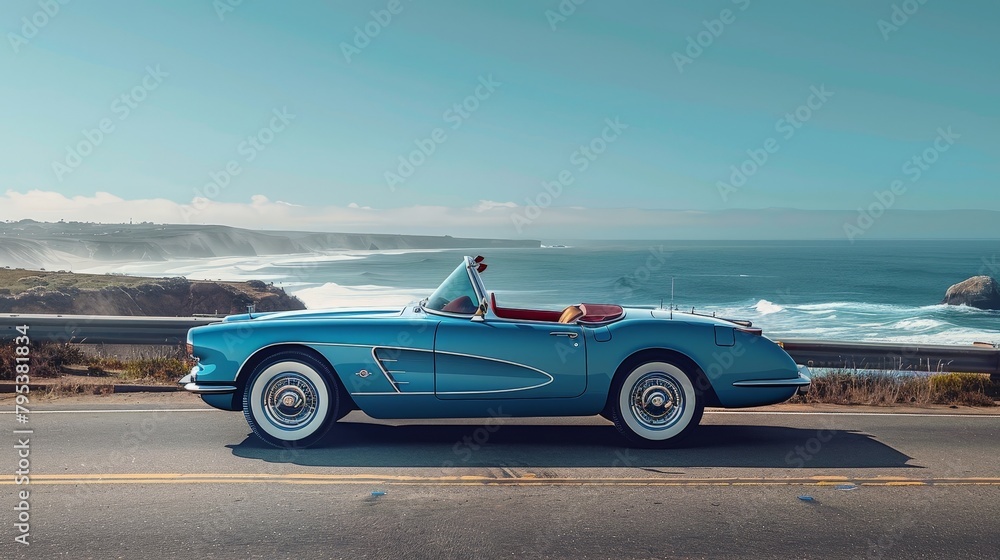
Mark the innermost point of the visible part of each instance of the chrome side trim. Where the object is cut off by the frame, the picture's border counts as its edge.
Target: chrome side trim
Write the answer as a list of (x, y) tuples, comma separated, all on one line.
[(262, 348), (385, 372), (351, 345), (550, 380), (800, 381), (389, 394)]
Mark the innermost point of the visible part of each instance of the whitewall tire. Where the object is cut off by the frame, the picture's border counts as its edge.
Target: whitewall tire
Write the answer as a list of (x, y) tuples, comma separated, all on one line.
[(655, 404), (291, 399)]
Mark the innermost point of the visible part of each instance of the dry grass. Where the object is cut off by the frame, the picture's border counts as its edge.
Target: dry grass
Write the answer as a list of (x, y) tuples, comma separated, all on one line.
[(164, 370), (47, 360), (67, 388), (17, 280), (885, 389), (146, 364)]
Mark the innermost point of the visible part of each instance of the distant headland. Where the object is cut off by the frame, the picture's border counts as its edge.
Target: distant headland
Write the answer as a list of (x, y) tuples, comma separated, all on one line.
[(31, 244)]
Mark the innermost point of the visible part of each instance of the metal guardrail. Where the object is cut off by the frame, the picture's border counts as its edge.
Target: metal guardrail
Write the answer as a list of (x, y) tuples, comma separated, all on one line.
[(98, 329), (894, 356), (95, 329)]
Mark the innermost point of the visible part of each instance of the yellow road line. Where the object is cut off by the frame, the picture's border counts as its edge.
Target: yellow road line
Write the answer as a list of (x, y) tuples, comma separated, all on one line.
[(530, 480)]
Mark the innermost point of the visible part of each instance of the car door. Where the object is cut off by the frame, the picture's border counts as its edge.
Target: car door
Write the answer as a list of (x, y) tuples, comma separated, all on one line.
[(496, 359)]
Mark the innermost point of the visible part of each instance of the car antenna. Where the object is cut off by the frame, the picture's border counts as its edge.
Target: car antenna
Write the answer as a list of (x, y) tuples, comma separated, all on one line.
[(671, 297)]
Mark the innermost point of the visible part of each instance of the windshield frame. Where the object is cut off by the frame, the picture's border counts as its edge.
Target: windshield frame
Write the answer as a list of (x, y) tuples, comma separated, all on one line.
[(475, 281)]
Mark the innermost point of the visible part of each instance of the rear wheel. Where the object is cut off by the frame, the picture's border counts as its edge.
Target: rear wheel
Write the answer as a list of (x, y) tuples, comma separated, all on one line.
[(655, 404), (291, 399)]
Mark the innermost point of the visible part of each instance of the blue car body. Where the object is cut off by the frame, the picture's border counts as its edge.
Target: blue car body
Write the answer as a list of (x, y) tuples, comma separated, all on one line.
[(457, 357)]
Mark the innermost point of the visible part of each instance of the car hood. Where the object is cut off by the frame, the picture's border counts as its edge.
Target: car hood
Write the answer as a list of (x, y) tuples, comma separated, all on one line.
[(340, 313)]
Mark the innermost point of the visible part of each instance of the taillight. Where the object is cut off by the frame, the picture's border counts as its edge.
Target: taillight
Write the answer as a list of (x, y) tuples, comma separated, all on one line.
[(751, 330)]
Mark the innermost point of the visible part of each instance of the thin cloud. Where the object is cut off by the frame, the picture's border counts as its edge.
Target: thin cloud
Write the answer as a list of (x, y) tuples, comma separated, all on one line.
[(489, 218)]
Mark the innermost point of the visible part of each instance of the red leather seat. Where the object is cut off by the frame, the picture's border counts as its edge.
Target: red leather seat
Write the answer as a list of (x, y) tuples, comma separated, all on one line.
[(600, 312), (523, 314), (585, 313)]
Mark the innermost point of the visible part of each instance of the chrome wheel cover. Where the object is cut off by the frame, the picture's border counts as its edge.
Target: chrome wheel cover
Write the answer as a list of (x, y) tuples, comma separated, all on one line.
[(657, 400), (290, 401)]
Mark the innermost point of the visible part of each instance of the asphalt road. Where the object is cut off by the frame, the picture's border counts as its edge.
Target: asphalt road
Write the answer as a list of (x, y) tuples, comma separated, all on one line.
[(165, 480)]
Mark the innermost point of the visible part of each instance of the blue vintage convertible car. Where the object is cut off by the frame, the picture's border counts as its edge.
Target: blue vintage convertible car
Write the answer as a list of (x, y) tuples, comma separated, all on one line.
[(460, 354)]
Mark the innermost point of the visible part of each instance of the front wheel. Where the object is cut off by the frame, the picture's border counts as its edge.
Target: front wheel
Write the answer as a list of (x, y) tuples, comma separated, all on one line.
[(291, 399), (655, 404)]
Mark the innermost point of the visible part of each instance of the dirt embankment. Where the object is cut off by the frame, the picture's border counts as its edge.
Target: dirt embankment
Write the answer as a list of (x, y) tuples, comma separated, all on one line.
[(30, 291)]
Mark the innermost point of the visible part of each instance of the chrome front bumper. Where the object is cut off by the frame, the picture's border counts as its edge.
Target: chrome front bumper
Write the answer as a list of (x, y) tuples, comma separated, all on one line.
[(190, 383), (802, 382)]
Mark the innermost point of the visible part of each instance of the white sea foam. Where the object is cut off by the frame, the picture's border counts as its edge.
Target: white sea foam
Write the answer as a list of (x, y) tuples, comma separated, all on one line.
[(765, 307), (824, 306), (334, 295), (952, 335), (876, 322), (914, 324)]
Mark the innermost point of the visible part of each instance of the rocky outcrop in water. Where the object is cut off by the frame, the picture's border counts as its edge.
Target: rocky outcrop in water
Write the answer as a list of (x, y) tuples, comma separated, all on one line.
[(982, 292)]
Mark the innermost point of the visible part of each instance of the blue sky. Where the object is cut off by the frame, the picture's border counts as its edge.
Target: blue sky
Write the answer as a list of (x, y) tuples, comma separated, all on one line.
[(538, 81)]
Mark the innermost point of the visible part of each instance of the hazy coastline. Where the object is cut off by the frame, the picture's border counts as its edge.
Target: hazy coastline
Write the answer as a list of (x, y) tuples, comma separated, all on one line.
[(75, 245)]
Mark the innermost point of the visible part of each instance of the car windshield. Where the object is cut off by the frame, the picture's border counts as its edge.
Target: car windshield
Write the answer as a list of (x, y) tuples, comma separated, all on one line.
[(456, 294)]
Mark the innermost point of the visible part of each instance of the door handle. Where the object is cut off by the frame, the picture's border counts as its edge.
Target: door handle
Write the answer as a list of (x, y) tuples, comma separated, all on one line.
[(564, 333)]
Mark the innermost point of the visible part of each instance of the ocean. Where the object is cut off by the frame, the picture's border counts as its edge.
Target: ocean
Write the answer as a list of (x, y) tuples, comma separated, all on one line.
[(866, 291)]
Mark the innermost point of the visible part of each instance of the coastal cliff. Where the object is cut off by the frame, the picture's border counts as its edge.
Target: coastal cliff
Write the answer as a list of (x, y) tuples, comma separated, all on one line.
[(32, 291)]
